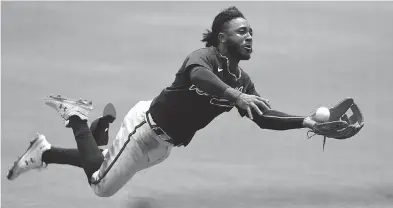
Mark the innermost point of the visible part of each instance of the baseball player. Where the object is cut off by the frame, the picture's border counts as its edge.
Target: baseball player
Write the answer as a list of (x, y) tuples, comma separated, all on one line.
[(208, 83)]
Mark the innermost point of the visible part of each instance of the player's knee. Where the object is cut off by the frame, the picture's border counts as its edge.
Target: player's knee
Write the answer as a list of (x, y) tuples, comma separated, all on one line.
[(101, 188), (103, 193)]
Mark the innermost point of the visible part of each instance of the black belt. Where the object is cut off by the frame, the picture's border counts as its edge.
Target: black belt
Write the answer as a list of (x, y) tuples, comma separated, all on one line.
[(158, 130)]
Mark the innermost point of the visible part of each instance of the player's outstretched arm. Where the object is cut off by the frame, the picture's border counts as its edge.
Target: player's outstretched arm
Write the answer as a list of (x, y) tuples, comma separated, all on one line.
[(276, 120), (208, 82)]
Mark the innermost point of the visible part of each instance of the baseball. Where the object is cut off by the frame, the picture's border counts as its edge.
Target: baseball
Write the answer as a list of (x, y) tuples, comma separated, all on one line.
[(322, 114)]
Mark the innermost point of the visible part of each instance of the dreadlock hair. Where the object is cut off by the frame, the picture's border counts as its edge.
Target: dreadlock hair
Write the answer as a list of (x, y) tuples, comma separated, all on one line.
[(211, 37)]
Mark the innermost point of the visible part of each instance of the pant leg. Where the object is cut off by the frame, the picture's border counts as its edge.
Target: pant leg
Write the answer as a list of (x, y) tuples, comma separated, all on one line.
[(135, 148)]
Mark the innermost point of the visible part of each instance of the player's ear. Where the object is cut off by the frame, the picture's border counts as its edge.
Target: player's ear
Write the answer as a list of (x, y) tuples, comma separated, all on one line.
[(222, 37)]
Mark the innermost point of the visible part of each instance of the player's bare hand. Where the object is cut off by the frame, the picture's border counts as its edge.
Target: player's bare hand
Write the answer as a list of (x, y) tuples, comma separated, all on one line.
[(252, 102)]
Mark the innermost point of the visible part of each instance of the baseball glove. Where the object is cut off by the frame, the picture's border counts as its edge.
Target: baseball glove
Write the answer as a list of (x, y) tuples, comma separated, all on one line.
[(340, 125)]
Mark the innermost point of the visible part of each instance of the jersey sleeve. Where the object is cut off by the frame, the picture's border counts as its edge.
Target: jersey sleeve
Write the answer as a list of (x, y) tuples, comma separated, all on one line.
[(250, 90), (200, 57)]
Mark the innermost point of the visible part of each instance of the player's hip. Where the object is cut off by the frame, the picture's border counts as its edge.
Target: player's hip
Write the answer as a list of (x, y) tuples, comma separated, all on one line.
[(139, 118), (135, 147)]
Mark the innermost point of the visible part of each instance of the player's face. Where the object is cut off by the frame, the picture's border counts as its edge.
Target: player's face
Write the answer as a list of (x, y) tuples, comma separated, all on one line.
[(239, 39)]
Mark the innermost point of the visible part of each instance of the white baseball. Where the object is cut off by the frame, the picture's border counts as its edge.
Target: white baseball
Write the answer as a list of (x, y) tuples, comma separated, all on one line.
[(322, 114)]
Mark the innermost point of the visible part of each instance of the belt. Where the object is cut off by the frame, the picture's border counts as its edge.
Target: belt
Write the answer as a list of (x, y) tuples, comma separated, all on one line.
[(158, 130)]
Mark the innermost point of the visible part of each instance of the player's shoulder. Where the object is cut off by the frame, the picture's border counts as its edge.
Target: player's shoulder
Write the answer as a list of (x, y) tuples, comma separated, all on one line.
[(206, 57), (204, 53)]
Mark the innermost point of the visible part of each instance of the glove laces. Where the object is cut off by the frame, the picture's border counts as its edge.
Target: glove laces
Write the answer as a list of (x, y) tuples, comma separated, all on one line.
[(309, 137)]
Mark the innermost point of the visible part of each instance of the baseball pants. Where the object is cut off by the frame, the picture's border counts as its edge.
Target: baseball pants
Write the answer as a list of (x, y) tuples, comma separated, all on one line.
[(136, 147)]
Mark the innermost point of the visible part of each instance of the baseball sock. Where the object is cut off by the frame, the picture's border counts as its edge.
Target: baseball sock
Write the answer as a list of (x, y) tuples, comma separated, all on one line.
[(56, 155), (90, 155)]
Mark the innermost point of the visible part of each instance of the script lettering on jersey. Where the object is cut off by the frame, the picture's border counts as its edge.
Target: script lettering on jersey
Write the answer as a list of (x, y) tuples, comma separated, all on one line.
[(198, 91), (214, 100)]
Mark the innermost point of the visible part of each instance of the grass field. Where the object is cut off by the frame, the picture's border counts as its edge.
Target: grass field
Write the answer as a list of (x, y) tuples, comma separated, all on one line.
[(306, 55)]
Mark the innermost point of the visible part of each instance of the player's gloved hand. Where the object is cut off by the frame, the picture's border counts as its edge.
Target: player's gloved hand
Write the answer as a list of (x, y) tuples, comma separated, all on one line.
[(252, 102), (340, 125)]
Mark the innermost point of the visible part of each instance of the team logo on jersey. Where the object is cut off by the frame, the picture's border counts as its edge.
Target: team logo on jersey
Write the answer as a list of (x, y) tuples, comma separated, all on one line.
[(198, 91), (214, 100)]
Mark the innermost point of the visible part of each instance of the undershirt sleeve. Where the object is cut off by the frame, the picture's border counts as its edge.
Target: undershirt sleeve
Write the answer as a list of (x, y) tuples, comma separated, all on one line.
[(207, 81)]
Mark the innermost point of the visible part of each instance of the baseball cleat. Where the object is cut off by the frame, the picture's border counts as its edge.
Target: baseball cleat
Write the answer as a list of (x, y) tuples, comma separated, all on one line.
[(31, 159), (70, 107), (109, 113), (100, 126)]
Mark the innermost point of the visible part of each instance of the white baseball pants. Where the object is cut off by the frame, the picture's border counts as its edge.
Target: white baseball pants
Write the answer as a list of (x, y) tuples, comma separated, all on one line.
[(136, 147)]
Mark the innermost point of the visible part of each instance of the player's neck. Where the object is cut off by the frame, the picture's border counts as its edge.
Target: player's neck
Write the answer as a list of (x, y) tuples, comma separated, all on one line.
[(233, 62)]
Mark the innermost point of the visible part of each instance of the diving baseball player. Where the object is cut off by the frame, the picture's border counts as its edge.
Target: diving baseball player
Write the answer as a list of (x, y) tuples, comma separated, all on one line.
[(208, 83)]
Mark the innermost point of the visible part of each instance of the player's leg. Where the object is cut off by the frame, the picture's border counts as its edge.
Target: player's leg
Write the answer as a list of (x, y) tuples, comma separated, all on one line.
[(75, 114), (100, 130), (135, 147), (64, 156), (31, 159), (41, 153), (100, 126), (90, 155)]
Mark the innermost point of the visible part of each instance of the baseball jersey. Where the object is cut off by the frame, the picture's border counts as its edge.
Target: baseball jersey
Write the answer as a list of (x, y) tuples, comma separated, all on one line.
[(182, 109)]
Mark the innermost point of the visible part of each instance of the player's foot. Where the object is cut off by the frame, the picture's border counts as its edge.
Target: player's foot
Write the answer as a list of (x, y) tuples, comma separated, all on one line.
[(70, 107), (109, 113), (31, 159), (100, 126)]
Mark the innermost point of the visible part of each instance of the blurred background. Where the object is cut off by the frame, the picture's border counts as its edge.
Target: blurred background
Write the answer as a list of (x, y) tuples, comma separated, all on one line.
[(306, 54)]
